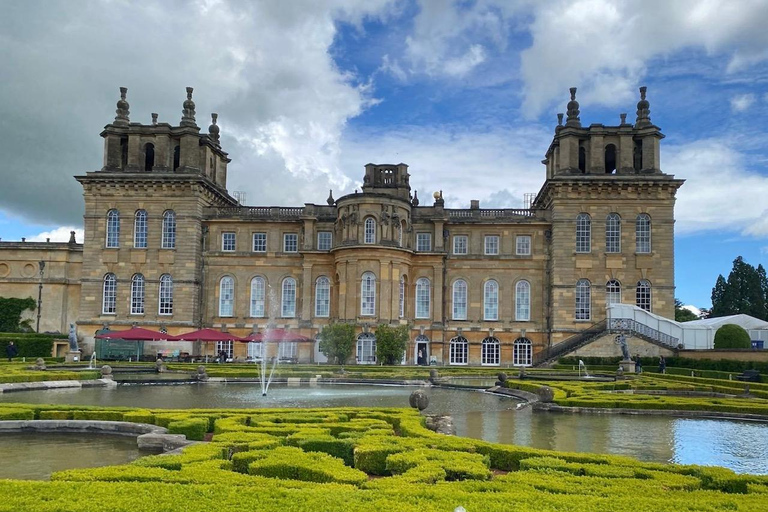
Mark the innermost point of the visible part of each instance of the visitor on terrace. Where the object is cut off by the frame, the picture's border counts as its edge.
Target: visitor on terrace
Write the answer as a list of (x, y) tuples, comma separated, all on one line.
[(638, 364), (11, 350)]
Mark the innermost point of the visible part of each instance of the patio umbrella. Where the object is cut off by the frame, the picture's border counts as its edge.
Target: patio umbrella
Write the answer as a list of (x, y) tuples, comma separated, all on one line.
[(208, 335), (283, 335), (136, 334)]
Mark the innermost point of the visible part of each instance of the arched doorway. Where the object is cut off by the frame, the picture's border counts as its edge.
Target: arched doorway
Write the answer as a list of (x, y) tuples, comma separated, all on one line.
[(421, 350), (366, 348)]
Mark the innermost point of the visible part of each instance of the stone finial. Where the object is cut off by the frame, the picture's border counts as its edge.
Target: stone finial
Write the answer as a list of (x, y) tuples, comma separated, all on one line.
[(560, 119), (643, 110), (418, 400), (415, 200), (623, 117), (330, 199), (122, 109), (573, 110), (72, 237), (188, 114), (213, 130), (154, 118)]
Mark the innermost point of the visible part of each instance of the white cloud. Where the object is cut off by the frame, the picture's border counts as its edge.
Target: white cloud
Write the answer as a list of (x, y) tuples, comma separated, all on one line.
[(61, 234), (742, 102)]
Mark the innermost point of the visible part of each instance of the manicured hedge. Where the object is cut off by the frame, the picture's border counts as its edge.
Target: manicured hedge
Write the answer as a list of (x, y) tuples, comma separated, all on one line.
[(29, 345)]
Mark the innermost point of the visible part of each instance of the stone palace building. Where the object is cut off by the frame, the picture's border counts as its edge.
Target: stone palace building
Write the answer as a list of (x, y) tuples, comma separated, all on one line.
[(167, 247)]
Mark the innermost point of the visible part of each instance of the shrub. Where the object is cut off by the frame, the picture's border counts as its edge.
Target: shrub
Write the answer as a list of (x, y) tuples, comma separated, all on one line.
[(732, 336), (291, 463), (11, 413), (194, 428)]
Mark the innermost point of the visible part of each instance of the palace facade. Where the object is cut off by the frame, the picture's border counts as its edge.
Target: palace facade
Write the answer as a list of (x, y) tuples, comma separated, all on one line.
[(167, 247)]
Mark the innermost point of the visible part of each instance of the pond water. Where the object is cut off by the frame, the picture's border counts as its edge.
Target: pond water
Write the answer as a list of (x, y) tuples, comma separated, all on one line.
[(741, 446), (34, 456)]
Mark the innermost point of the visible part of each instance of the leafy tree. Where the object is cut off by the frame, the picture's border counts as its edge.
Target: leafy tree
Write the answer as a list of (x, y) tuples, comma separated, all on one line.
[(744, 292), (391, 343), (682, 314), (10, 313), (337, 342), (732, 336)]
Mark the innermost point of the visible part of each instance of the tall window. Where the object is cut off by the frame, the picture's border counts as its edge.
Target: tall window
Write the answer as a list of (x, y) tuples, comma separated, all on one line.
[(323, 297), (366, 348), (523, 301), (169, 230), (583, 300), (490, 352), (643, 233), (225, 346), (491, 300), (290, 242), (109, 296), (492, 244), (460, 300), (289, 298), (259, 242), (368, 295), (460, 244), (288, 351), (226, 296), (324, 240), (423, 241), (523, 245), (255, 351), (140, 229), (402, 296), (370, 230), (258, 297), (228, 242), (643, 295), (137, 294), (522, 352), (612, 292), (459, 350), (613, 233), (423, 295), (583, 233), (113, 229), (165, 305)]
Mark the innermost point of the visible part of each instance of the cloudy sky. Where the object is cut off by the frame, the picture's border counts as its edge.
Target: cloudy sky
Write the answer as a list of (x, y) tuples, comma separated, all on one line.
[(465, 92)]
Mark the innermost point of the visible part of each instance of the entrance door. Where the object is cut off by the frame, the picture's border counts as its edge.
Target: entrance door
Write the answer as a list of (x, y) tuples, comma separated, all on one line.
[(422, 350)]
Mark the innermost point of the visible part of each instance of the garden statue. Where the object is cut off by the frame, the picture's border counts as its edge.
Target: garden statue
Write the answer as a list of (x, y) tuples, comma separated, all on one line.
[(73, 339)]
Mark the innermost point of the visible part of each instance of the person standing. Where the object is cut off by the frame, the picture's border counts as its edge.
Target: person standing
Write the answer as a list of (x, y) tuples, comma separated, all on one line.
[(638, 364), (11, 350), (662, 365)]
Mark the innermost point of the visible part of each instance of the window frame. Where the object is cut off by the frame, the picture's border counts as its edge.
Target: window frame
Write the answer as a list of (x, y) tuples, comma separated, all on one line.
[(458, 351), (325, 300), (368, 294), (290, 239), (523, 238), (258, 288), (643, 233), (423, 242), (321, 246), (259, 242), (165, 296), (523, 301), (457, 244), (138, 294), (226, 239), (423, 298), (169, 230), (112, 240), (488, 242), (369, 230), (583, 233), (583, 296), (613, 233), (612, 290), (491, 301), (111, 297), (459, 287), (490, 352), (643, 295), (226, 284), (288, 298), (140, 231), (522, 356)]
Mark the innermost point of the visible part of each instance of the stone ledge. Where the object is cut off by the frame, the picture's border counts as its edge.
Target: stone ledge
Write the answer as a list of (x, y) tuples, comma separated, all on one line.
[(55, 384), (652, 412)]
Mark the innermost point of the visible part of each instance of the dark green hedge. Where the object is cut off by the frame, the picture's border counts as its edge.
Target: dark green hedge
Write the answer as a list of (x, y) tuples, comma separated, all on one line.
[(732, 336), (35, 345)]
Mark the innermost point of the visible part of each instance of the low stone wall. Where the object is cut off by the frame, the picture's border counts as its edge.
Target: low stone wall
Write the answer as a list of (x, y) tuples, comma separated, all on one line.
[(55, 384), (650, 412)]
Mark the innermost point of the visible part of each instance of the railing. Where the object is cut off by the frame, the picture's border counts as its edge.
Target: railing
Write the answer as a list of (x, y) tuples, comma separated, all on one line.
[(255, 212), (571, 344), (630, 326), (496, 213)]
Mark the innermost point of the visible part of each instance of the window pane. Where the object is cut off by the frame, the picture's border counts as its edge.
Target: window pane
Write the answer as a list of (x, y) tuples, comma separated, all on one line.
[(109, 300), (583, 233), (523, 245), (522, 352), (423, 241), (259, 242), (644, 295), (458, 350), (460, 300), (368, 295), (490, 351), (140, 230), (113, 228), (643, 233), (137, 295), (290, 242), (492, 244), (523, 301), (422, 298), (460, 245), (402, 296), (583, 300), (289, 298), (166, 295), (226, 296), (612, 292), (324, 240), (169, 230), (613, 233), (491, 301), (370, 230), (227, 241), (258, 297), (323, 297)]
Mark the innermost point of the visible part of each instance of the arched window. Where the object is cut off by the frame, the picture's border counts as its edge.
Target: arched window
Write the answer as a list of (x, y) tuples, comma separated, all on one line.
[(113, 228), (402, 296), (226, 296), (583, 300), (643, 233), (582, 159), (643, 295), (165, 305), (613, 233), (491, 300), (176, 157), (289, 298), (149, 156), (109, 295), (323, 297), (522, 352), (169, 230), (610, 159), (523, 301), (612, 292), (140, 229), (459, 350), (370, 230), (258, 297), (460, 300), (423, 295), (366, 348), (137, 294), (583, 233), (490, 352), (368, 295)]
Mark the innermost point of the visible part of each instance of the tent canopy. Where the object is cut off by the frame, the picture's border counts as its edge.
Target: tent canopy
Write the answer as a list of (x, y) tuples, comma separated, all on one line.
[(276, 335), (745, 321), (207, 335)]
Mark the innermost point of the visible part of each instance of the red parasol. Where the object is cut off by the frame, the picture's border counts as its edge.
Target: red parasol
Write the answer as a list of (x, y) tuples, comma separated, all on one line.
[(137, 334), (208, 335)]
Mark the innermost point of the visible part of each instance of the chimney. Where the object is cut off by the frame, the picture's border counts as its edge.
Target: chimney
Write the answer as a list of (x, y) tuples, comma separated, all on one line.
[(474, 204)]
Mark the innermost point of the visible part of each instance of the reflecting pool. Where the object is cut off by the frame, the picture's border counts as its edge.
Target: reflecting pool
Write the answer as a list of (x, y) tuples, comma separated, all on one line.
[(741, 446)]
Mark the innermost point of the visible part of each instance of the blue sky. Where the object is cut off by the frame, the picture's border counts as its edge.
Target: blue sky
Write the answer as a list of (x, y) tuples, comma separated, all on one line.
[(465, 92)]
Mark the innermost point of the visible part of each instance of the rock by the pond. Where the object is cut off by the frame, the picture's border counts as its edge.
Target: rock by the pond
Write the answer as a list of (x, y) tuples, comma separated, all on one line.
[(419, 400), (441, 424), (502, 377)]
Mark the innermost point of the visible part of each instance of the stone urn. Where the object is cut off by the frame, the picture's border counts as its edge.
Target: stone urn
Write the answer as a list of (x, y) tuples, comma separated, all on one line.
[(502, 378), (106, 372), (39, 364), (433, 375), (419, 400), (201, 373), (160, 365), (546, 394)]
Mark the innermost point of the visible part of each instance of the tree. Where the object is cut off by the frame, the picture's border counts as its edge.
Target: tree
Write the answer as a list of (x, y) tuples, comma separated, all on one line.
[(744, 292), (10, 313), (391, 343), (337, 342), (682, 314), (732, 336)]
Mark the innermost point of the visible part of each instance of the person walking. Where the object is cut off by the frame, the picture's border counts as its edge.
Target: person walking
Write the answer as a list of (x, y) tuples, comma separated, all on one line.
[(638, 364), (662, 365), (11, 350)]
